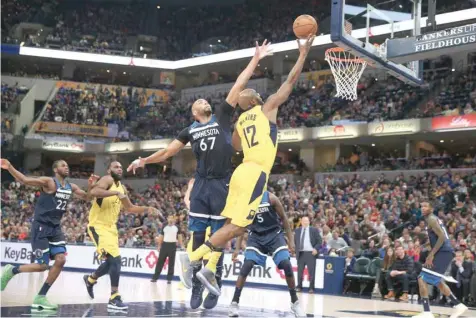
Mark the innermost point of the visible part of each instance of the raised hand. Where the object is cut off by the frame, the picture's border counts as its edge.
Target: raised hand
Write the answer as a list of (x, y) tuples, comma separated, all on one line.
[(93, 179), (263, 50), (138, 163), (5, 164), (306, 45)]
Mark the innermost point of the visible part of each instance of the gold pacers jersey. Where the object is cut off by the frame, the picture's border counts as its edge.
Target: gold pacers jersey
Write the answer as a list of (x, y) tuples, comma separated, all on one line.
[(259, 137), (105, 211)]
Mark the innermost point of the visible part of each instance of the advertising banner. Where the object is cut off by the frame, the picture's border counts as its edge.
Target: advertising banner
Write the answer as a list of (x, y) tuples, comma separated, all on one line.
[(72, 129), (395, 127), (167, 78), (464, 122), (338, 131), (290, 135), (328, 276), (63, 145)]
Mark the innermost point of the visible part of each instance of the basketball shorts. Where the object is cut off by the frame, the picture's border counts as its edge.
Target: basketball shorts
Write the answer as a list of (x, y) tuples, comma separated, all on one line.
[(47, 241), (436, 274), (247, 186), (106, 240), (207, 201), (258, 247)]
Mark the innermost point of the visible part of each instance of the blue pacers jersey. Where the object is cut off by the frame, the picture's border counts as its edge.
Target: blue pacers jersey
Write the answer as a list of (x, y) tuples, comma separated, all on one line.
[(211, 143), (266, 218), (446, 247), (50, 207)]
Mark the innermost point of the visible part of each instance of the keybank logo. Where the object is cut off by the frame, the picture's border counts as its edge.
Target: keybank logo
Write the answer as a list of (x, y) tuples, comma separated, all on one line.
[(131, 262), (16, 255)]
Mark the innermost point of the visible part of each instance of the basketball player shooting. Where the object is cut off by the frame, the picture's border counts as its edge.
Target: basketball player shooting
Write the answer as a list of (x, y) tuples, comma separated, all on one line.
[(436, 264), (47, 238), (210, 138), (256, 134)]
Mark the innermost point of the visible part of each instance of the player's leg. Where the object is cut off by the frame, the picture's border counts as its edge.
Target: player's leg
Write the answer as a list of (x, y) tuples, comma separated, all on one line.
[(103, 269), (459, 308), (249, 262), (217, 201), (57, 253), (41, 255), (282, 259)]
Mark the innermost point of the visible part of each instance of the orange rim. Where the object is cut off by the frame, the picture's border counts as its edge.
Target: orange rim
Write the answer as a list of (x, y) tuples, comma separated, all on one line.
[(338, 59)]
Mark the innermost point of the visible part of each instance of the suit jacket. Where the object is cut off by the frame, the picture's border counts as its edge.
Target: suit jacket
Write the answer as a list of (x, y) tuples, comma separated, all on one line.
[(314, 235), (467, 272)]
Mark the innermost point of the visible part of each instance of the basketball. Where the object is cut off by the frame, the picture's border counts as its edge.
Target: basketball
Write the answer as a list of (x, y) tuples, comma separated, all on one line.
[(304, 25)]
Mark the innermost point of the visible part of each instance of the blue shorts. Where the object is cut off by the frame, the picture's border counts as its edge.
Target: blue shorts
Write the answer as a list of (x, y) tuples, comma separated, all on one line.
[(259, 247), (441, 262), (46, 242), (207, 201)]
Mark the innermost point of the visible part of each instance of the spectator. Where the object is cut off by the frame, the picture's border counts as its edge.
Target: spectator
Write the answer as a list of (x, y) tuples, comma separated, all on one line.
[(461, 271), (399, 273), (337, 242), (350, 261)]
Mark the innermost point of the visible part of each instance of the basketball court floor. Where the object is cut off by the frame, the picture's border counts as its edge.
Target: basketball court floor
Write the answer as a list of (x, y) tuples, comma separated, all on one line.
[(148, 299)]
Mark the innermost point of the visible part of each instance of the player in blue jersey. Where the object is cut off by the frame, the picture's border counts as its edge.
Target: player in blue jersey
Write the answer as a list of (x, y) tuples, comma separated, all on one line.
[(47, 239), (437, 262), (266, 237), (210, 137)]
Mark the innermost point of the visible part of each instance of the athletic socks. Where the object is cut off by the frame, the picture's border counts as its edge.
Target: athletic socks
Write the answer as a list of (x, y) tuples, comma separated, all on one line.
[(236, 296), (16, 269), (91, 280), (114, 294), (292, 292), (213, 261), (426, 304), (454, 301), (44, 289), (199, 253)]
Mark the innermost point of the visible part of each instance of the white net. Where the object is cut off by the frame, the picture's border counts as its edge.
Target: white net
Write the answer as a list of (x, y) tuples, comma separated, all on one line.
[(347, 70)]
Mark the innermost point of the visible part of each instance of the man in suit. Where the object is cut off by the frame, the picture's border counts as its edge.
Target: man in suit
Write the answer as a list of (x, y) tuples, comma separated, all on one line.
[(461, 271), (307, 241)]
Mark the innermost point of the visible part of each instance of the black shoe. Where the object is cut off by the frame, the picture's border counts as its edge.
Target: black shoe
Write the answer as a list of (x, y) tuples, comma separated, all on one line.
[(169, 282), (298, 289), (211, 300), (153, 280), (311, 291), (116, 304), (89, 286), (197, 295)]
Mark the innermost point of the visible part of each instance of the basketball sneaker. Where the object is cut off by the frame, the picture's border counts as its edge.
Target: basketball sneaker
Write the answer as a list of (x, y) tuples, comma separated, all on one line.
[(116, 304), (186, 270), (234, 310), (7, 275), (297, 310), (197, 295), (208, 279), (212, 300), (89, 286), (458, 310), (41, 302)]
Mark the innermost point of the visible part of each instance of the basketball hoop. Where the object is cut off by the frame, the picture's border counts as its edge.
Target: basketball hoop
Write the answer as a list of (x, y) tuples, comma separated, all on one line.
[(347, 70)]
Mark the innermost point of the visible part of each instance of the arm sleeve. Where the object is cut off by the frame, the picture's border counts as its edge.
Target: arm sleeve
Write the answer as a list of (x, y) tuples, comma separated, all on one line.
[(224, 113), (183, 136)]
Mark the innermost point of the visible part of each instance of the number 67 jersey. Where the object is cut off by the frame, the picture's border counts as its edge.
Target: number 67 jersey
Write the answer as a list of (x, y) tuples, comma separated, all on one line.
[(248, 182)]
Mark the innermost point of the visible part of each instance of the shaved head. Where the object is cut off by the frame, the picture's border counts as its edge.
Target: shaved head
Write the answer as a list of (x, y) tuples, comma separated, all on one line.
[(201, 110), (249, 97)]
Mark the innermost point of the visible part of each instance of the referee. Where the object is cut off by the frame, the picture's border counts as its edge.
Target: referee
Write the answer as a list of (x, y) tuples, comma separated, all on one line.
[(167, 246)]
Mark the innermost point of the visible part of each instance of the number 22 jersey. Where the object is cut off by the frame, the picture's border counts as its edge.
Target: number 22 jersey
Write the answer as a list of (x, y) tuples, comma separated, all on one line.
[(50, 207)]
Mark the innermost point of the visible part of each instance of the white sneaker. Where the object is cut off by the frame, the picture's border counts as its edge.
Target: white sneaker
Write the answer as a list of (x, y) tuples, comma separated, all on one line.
[(458, 310), (297, 310), (233, 311), (425, 314)]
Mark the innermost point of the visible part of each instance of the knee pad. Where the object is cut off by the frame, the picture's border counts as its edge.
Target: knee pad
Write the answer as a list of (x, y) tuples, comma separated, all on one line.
[(198, 239), (286, 266), (246, 268)]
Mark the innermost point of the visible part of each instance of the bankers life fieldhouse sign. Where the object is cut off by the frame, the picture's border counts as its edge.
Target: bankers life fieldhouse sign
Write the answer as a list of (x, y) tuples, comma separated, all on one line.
[(429, 45)]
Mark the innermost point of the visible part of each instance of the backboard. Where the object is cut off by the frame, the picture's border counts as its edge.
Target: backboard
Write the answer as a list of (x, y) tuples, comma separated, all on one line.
[(400, 56)]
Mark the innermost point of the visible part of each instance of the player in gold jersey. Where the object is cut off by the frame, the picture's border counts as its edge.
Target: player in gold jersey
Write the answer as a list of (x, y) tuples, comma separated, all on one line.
[(110, 196), (256, 134)]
